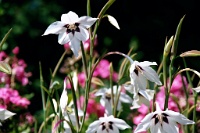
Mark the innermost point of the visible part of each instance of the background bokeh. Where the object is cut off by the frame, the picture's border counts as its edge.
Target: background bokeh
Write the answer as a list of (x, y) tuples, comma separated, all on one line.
[(144, 25)]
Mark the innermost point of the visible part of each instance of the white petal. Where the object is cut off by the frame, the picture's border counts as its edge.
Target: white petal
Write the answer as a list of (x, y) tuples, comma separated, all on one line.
[(100, 92), (151, 75), (121, 124), (147, 94), (197, 89), (63, 100), (87, 21), (55, 28), (64, 38), (130, 88), (5, 114), (175, 116), (113, 21), (170, 128), (145, 123), (93, 126), (158, 109), (147, 63), (69, 18), (75, 46), (83, 35), (55, 105), (125, 98), (156, 129), (141, 82)]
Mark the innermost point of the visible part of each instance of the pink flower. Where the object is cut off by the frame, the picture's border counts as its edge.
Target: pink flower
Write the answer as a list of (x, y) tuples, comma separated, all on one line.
[(11, 97), (81, 79), (102, 70), (92, 108), (137, 119), (15, 50), (3, 55)]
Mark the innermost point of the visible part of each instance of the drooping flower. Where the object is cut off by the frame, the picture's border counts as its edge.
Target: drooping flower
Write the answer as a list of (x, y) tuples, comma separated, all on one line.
[(162, 121), (107, 124), (141, 96), (5, 114), (141, 71), (106, 98), (71, 29)]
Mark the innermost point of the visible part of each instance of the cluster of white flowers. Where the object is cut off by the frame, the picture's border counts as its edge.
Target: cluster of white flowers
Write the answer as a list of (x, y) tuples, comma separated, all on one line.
[(73, 30)]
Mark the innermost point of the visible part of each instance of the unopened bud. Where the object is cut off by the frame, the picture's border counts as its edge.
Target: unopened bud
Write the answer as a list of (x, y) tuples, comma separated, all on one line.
[(168, 46)]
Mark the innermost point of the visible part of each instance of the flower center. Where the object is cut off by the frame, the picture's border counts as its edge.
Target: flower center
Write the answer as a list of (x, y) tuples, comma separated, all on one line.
[(72, 28), (108, 96), (107, 125), (160, 118), (138, 69)]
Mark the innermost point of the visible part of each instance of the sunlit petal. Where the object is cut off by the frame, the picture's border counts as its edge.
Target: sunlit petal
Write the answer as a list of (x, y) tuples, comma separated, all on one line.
[(54, 28), (87, 21), (69, 18)]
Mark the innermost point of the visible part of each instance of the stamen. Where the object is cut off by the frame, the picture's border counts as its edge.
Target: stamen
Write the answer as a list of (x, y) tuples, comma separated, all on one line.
[(72, 28)]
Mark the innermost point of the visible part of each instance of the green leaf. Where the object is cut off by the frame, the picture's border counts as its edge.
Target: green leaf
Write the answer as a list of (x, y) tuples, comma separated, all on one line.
[(5, 67), (176, 38), (5, 38)]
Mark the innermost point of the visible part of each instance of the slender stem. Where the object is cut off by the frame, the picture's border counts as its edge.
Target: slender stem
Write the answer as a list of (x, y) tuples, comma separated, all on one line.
[(42, 93), (84, 60), (111, 87), (75, 102), (57, 66), (88, 8), (195, 97)]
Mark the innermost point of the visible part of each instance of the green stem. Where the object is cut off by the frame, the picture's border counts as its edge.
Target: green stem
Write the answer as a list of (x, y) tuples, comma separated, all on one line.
[(75, 102), (84, 60), (42, 93), (111, 87), (165, 81), (57, 66), (195, 97)]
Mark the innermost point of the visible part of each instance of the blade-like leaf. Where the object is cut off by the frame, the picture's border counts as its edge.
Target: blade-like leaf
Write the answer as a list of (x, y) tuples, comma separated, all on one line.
[(176, 38), (97, 81), (5, 67), (191, 53), (5, 38)]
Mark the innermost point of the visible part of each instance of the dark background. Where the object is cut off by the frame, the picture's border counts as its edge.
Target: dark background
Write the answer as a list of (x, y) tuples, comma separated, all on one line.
[(146, 22)]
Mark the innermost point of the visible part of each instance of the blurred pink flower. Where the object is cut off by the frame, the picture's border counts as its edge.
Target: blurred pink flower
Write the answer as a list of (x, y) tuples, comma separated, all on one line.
[(137, 119), (81, 79), (11, 97), (15, 50), (3, 55), (92, 108)]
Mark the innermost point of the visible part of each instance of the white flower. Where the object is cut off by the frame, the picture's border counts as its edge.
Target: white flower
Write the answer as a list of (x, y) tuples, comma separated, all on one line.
[(141, 96), (107, 125), (67, 111), (5, 114), (106, 100), (71, 29), (162, 121), (141, 71)]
